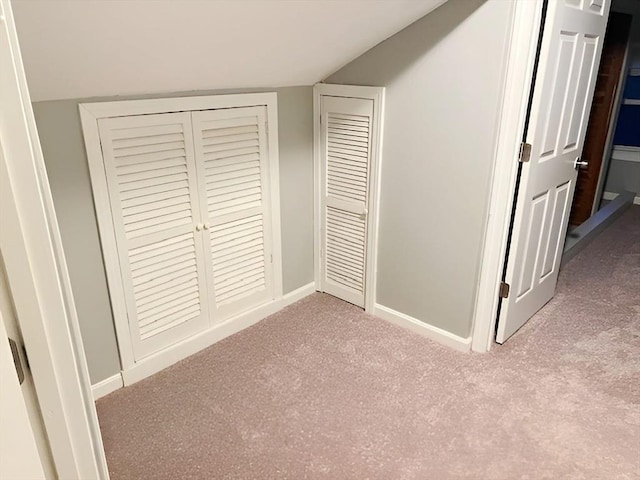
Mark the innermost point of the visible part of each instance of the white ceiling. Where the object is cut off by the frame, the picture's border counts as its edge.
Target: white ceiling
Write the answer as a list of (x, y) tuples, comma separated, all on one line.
[(82, 48)]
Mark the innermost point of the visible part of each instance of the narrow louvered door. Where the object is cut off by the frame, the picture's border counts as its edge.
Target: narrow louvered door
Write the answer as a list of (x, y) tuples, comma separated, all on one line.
[(151, 178), (233, 171), (345, 144)]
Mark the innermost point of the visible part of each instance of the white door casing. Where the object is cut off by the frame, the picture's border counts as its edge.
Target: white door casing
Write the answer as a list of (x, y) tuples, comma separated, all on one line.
[(151, 174), (39, 281), (568, 66), (233, 173), (348, 143)]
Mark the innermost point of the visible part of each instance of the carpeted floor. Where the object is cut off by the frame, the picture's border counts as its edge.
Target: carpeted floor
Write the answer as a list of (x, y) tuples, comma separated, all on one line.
[(323, 391)]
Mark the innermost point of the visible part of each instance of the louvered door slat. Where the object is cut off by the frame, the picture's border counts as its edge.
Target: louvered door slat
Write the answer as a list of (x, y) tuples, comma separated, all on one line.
[(346, 145), (153, 140), (249, 249), (152, 301), (229, 138), (162, 161), (233, 167), (158, 285), (168, 199), (142, 193), (141, 187), (142, 134), (153, 189)]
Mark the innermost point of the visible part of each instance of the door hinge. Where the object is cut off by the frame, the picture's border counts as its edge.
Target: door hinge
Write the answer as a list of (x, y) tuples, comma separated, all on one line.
[(15, 352), (271, 258), (525, 152), (504, 290), (320, 119)]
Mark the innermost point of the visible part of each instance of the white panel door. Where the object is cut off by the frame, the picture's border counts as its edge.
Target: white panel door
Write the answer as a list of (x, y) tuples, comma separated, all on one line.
[(19, 456), (345, 158), (569, 60), (151, 176), (233, 173)]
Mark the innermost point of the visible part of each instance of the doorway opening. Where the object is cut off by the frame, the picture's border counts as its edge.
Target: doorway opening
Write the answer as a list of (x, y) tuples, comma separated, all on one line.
[(523, 279)]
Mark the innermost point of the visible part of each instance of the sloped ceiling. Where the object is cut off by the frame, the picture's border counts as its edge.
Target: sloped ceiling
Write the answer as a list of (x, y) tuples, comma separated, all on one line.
[(88, 48)]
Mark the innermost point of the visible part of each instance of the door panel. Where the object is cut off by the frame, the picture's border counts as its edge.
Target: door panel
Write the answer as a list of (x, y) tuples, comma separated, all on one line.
[(151, 176), (24, 450), (609, 73), (345, 143), (571, 48), (233, 171)]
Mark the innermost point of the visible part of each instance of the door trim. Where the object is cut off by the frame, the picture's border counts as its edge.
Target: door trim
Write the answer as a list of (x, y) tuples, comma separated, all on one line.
[(377, 95), (90, 113), (613, 122), (523, 43), (39, 281)]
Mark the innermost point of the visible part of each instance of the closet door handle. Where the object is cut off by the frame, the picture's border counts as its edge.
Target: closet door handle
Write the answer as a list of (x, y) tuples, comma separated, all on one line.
[(199, 227), (206, 226)]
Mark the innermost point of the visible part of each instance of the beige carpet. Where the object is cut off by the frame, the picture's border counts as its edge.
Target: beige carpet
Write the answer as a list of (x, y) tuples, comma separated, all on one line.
[(323, 391)]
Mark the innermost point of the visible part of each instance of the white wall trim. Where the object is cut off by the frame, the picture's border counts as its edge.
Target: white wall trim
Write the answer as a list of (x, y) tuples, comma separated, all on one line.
[(161, 360), (377, 95), (157, 362), (521, 58), (434, 333), (582, 235), (625, 154), (298, 294), (90, 113), (612, 196), (106, 386), (125, 108), (611, 130)]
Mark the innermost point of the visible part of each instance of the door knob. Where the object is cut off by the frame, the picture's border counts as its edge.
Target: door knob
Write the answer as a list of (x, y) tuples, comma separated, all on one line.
[(199, 227), (579, 163)]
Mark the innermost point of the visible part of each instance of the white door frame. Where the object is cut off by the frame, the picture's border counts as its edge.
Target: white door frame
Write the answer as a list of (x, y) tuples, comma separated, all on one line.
[(377, 95), (39, 280), (611, 130), (519, 82)]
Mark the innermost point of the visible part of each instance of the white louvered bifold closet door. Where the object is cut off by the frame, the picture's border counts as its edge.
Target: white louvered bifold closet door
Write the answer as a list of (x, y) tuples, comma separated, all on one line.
[(233, 169), (151, 178), (345, 168)]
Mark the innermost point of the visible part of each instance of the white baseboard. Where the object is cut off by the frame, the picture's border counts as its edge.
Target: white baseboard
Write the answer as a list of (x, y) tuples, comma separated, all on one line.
[(613, 196), (298, 294), (424, 329), (181, 350), (626, 154), (106, 386), (579, 237)]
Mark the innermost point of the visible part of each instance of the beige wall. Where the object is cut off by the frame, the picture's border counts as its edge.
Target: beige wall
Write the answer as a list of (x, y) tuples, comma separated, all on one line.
[(444, 80), (65, 158)]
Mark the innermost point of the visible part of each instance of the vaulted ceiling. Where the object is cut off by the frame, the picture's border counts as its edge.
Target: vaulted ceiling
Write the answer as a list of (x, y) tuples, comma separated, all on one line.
[(82, 48)]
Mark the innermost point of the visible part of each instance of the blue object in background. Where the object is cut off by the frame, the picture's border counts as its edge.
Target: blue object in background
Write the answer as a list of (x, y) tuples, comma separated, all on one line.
[(628, 127), (632, 87)]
